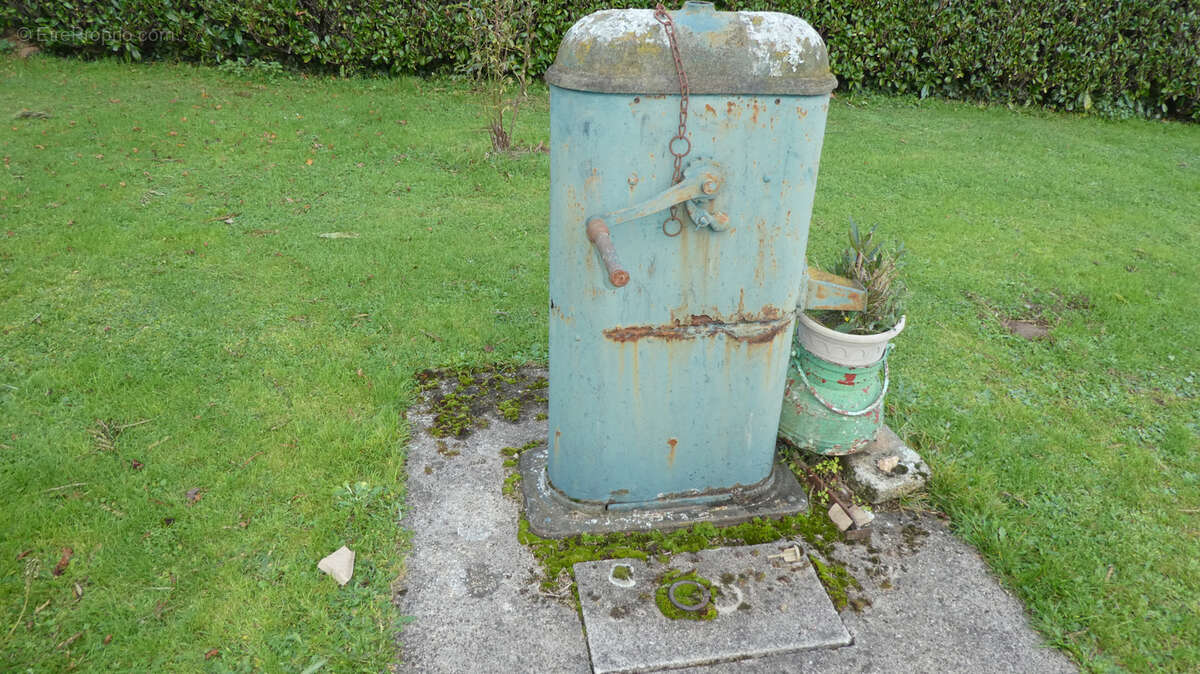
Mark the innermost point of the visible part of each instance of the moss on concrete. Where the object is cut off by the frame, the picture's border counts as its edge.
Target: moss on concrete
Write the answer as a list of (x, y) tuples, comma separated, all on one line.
[(837, 581), (687, 594), (558, 555)]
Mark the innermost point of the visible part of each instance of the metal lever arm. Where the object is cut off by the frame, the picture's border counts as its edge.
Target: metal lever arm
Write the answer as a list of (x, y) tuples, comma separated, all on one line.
[(697, 184)]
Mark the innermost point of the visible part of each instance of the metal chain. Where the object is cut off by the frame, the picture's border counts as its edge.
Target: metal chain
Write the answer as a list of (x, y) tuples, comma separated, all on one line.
[(680, 138)]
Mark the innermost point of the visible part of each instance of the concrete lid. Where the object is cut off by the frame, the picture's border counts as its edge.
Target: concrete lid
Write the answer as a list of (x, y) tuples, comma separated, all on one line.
[(627, 51)]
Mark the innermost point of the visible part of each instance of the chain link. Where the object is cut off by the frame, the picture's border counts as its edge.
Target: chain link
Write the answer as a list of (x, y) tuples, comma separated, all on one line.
[(679, 146)]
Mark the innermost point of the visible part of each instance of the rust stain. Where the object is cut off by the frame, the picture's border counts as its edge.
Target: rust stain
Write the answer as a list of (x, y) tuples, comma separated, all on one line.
[(671, 455), (710, 110), (636, 379), (802, 112), (754, 115), (682, 317), (592, 182), (560, 314), (746, 332), (557, 435), (764, 244)]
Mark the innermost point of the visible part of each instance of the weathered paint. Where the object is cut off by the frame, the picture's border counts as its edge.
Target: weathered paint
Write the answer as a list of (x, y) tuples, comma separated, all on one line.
[(832, 424), (626, 51), (668, 388), (828, 291)]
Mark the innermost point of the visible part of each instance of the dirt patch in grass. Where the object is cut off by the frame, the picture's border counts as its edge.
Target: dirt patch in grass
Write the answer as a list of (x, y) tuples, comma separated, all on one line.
[(1036, 314), (1038, 329)]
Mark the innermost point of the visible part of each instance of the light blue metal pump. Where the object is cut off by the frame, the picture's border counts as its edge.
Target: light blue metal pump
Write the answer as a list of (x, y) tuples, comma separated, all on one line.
[(669, 347)]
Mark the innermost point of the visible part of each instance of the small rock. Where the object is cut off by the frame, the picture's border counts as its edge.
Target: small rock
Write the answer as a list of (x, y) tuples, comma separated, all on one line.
[(887, 463), (340, 565), (839, 517), (863, 475), (861, 517)]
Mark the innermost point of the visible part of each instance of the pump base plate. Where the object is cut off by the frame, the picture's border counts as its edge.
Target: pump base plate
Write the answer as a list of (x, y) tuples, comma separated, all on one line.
[(551, 515)]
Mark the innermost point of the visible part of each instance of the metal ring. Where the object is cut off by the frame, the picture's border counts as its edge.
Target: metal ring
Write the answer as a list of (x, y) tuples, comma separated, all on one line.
[(704, 596), (671, 146), (677, 220)]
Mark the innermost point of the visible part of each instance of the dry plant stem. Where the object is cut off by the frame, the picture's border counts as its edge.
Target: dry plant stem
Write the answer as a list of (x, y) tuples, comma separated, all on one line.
[(501, 36), (31, 569)]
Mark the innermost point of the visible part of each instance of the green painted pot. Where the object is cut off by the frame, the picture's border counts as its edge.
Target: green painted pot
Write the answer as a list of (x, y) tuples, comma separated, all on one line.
[(833, 402)]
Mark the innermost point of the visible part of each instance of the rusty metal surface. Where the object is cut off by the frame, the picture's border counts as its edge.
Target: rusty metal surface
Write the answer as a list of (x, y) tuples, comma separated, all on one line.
[(627, 51), (695, 347), (748, 332), (830, 291)]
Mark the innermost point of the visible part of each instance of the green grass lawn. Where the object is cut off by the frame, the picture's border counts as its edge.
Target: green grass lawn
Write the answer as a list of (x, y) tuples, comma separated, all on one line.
[(200, 396)]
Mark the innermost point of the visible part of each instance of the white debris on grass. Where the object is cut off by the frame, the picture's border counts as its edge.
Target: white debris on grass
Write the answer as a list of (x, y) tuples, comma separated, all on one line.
[(339, 564)]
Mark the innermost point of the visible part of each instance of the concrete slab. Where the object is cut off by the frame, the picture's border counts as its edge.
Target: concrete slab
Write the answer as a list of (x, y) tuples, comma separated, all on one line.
[(766, 606), (907, 471), (928, 602), (552, 515), (470, 589)]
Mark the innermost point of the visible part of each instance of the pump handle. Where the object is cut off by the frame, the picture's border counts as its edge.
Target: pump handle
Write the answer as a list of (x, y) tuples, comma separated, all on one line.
[(702, 181), (597, 233)]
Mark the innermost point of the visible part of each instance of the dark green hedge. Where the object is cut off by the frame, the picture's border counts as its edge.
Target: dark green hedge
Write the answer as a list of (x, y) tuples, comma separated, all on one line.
[(1121, 57)]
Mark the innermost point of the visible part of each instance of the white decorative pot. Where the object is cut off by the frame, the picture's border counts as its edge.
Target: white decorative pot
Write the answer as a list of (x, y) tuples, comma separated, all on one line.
[(842, 348)]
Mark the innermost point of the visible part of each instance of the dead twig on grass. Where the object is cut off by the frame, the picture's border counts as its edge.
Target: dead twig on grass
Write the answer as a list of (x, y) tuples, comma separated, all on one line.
[(31, 570), (65, 486)]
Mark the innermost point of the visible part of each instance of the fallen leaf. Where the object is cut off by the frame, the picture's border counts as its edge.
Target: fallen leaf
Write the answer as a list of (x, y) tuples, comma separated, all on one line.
[(168, 521), (308, 162), (194, 494), (107, 639), (63, 562), (137, 465), (24, 554), (78, 591), (212, 654)]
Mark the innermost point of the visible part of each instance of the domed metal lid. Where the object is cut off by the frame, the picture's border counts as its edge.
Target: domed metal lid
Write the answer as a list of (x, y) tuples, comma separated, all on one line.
[(627, 51)]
